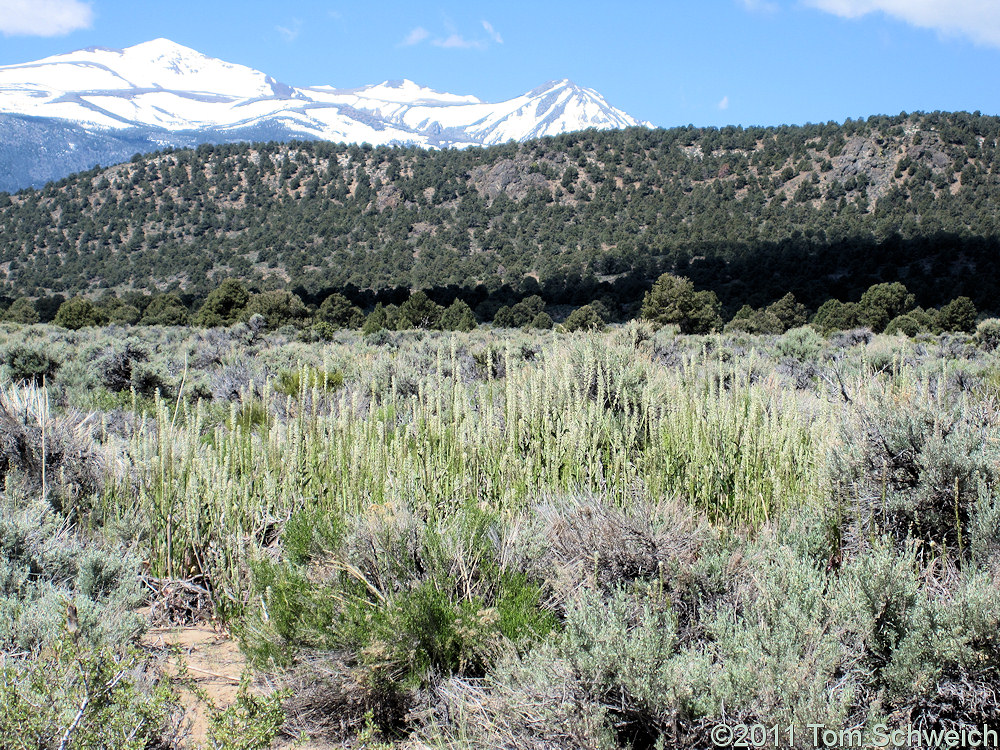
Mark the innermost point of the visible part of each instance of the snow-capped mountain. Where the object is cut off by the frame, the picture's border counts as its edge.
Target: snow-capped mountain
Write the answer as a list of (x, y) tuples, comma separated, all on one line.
[(174, 95)]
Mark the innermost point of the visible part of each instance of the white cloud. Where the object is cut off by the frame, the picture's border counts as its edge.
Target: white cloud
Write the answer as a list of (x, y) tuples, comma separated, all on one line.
[(416, 36), (978, 20), (44, 17), (724, 104), (452, 38), (457, 41), (290, 33), (494, 34)]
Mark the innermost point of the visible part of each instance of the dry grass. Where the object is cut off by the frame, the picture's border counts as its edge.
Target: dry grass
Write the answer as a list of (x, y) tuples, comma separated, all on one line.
[(56, 455)]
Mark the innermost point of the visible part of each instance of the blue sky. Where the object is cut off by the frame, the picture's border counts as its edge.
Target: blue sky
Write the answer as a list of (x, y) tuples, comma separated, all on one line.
[(673, 62)]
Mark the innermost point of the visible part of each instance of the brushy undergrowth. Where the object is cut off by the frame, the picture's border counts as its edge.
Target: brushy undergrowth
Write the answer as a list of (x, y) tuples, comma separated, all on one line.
[(914, 462), (408, 598), (54, 455), (69, 697), (70, 673), (513, 539)]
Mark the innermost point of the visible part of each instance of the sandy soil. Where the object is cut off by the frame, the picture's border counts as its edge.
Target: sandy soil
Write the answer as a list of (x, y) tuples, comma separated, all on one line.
[(213, 663)]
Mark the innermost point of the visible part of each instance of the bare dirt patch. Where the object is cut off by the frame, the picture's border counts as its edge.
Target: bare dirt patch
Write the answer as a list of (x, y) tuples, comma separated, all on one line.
[(198, 659)]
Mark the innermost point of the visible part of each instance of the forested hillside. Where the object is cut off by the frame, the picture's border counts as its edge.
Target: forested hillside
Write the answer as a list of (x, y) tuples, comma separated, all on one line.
[(820, 210)]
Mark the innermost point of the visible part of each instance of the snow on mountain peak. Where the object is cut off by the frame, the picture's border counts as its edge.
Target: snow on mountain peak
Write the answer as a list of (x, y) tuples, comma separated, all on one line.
[(162, 63), (405, 90), (164, 85), (162, 45)]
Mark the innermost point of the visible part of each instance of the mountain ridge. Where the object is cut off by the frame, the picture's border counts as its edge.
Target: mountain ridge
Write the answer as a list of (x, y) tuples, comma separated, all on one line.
[(821, 211), (160, 90)]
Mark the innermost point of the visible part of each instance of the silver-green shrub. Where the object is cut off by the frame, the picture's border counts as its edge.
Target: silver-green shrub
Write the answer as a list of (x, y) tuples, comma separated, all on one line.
[(910, 463), (47, 572)]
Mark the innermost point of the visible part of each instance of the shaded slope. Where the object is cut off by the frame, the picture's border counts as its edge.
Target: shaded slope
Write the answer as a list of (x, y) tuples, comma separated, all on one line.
[(820, 210)]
